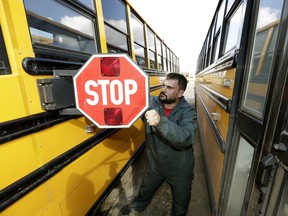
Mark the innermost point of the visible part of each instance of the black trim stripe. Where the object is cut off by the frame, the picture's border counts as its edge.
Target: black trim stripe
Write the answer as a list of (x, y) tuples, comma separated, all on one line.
[(156, 73), (42, 66), (11, 130), (155, 87), (223, 101)]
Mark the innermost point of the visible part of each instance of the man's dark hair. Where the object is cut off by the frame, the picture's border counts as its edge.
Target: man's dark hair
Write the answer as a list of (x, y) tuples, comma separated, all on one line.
[(182, 81)]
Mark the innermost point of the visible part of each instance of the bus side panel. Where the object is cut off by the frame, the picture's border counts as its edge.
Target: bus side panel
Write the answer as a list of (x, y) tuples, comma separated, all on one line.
[(213, 92), (57, 140), (83, 182), (33, 202), (17, 159), (90, 174), (155, 84), (74, 190), (213, 156), (213, 108), (12, 103), (21, 156), (222, 83)]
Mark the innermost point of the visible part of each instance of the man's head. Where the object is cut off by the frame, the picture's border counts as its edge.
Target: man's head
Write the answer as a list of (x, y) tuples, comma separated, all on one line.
[(182, 81), (173, 88)]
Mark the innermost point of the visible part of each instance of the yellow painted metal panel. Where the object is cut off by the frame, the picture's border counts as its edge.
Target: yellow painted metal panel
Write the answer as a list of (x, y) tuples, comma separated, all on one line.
[(94, 171), (51, 209), (60, 138), (101, 28), (213, 155), (11, 98), (155, 80), (22, 88), (13, 26), (17, 159), (213, 107), (74, 190), (31, 204), (19, 96), (130, 30), (223, 84), (219, 82)]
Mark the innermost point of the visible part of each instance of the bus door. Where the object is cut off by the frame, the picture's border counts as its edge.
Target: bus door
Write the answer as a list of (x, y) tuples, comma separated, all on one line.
[(272, 178), (259, 178)]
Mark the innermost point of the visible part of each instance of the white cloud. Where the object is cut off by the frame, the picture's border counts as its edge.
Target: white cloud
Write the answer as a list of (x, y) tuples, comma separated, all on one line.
[(267, 15), (79, 23), (120, 24)]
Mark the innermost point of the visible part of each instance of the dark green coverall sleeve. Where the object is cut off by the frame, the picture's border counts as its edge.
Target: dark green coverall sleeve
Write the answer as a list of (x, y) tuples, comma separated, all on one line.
[(179, 130)]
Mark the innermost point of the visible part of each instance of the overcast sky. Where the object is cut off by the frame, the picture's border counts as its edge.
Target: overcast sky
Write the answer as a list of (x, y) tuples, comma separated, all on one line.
[(183, 25)]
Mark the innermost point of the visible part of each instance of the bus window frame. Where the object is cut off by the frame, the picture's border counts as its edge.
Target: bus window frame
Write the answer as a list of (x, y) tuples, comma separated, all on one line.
[(141, 43), (121, 31), (248, 110), (43, 51), (5, 67), (240, 8), (122, 50)]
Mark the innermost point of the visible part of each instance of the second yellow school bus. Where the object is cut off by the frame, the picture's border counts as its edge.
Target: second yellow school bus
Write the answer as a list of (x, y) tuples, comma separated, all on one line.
[(241, 101)]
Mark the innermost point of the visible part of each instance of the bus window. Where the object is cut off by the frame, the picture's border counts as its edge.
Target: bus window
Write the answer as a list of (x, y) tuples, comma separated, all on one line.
[(116, 39), (115, 25), (169, 60), (52, 24), (115, 15), (240, 177), (220, 17), (139, 42), (152, 59), (151, 47), (232, 30), (88, 3), (283, 206), (216, 35), (208, 46), (4, 62), (229, 5), (140, 55), (159, 53), (164, 58), (216, 45), (262, 56)]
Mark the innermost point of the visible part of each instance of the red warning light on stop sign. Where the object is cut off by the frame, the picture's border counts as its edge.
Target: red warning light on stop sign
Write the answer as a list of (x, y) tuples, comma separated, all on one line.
[(111, 90)]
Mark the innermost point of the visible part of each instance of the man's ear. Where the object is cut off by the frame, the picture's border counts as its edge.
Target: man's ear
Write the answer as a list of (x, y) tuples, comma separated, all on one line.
[(180, 93)]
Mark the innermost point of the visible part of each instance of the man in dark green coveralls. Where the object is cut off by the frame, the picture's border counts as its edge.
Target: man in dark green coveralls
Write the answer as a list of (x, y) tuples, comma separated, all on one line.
[(170, 126)]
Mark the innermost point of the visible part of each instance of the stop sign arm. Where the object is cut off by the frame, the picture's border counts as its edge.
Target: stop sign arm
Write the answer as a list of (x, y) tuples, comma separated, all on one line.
[(111, 90), (57, 93)]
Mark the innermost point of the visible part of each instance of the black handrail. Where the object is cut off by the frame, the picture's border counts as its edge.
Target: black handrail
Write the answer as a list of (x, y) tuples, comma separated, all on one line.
[(42, 66)]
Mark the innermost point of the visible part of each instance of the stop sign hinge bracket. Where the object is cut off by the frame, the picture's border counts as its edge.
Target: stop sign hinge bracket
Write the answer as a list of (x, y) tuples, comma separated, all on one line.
[(57, 93)]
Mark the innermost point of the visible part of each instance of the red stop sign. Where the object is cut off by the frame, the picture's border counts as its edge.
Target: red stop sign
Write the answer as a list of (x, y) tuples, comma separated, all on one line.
[(111, 90)]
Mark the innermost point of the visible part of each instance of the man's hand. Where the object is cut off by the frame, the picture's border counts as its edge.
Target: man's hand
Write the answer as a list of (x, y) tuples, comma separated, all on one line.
[(152, 117)]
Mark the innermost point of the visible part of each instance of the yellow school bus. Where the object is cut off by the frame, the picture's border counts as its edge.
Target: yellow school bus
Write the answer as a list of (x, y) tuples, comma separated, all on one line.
[(53, 160), (241, 102)]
